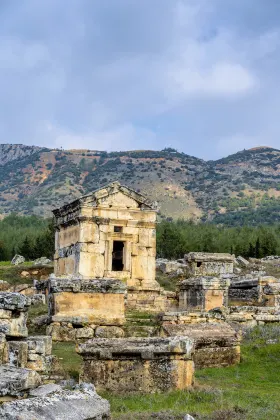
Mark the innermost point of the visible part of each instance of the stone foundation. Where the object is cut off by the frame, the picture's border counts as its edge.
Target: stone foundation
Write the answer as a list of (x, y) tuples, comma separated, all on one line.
[(138, 364), (78, 307)]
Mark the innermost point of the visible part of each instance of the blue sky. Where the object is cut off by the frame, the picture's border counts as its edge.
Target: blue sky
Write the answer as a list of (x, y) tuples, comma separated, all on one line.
[(202, 76)]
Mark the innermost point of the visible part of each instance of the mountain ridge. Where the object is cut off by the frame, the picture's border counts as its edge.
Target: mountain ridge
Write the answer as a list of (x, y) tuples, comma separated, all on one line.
[(34, 180)]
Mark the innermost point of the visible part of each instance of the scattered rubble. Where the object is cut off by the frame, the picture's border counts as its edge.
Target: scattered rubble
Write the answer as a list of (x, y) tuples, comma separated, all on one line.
[(18, 259), (42, 261), (16, 381)]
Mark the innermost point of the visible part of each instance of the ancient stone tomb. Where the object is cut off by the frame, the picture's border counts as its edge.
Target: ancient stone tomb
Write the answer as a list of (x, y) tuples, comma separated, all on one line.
[(209, 264), (203, 293), (138, 364)]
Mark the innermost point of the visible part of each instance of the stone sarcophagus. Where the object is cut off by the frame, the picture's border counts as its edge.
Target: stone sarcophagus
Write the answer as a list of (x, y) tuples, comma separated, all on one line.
[(203, 293), (138, 364), (216, 343), (209, 264)]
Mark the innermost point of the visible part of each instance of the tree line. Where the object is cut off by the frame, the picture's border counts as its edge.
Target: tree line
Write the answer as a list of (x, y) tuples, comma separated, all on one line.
[(30, 236), (33, 237), (176, 238)]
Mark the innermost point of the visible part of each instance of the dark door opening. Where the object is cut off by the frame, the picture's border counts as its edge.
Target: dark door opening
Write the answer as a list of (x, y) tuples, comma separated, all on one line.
[(117, 256)]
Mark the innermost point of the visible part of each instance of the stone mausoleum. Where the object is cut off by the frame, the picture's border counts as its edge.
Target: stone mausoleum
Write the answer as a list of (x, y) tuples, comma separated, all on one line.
[(109, 233), (105, 242)]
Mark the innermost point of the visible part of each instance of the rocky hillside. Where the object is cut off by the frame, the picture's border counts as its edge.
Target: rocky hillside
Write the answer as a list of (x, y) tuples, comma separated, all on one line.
[(241, 188)]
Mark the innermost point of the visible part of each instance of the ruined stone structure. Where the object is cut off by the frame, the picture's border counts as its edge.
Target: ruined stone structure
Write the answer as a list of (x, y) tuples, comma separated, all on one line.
[(203, 293), (138, 364), (16, 348), (77, 308), (216, 343), (209, 264), (107, 235)]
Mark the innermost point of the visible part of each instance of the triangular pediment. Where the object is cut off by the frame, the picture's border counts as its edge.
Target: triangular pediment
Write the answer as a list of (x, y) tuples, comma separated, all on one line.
[(117, 195)]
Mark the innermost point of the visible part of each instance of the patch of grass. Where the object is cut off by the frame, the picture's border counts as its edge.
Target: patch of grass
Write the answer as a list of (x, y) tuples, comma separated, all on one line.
[(167, 282), (70, 361), (11, 273), (33, 312), (246, 391)]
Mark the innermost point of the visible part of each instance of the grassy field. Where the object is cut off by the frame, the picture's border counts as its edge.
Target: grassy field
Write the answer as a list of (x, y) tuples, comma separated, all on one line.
[(248, 391)]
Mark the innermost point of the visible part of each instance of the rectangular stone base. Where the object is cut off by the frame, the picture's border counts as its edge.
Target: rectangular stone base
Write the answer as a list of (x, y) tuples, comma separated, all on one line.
[(138, 364)]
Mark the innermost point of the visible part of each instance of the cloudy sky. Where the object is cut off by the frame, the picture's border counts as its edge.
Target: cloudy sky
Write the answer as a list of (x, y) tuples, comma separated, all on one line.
[(202, 76)]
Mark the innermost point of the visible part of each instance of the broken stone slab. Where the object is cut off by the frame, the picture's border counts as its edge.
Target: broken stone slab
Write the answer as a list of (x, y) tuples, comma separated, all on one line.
[(14, 380), (143, 347), (83, 404), (44, 390), (14, 301), (18, 259), (42, 261), (105, 285), (242, 261), (109, 332), (209, 257)]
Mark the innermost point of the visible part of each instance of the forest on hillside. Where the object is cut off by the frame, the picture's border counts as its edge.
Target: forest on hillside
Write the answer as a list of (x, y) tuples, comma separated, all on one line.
[(30, 236), (33, 237)]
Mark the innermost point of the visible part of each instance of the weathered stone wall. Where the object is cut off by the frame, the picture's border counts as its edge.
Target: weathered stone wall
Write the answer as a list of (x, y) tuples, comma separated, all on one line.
[(138, 364), (77, 307), (216, 343), (203, 293), (86, 231), (209, 264), (13, 314)]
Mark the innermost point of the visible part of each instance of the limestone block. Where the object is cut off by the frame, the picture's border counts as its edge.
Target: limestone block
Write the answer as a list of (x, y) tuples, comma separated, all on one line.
[(89, 232), (81, 404), (86, 332), (216, 344), (15, 380), (41, 344), (109, 332), (3, 349), (91, 265), (61, 333), (147, 237), (15, 327), (5, 314), (92, 307), (17, 352), (39, 363)]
